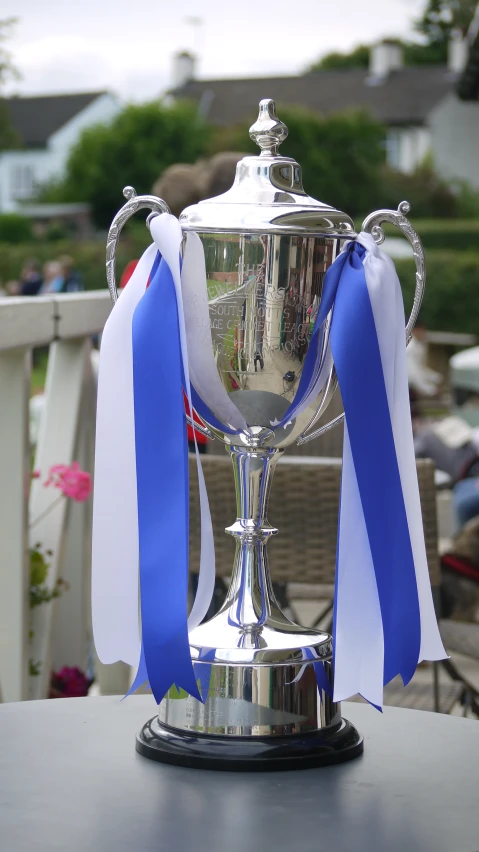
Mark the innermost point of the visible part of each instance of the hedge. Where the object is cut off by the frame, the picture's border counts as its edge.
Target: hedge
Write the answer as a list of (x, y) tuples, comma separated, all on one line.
[(88, 256), (449, 234), (451, 301), (15, 228)]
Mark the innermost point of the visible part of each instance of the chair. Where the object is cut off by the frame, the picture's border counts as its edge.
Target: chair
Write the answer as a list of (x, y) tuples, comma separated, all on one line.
[(304, 506), (461, 638)]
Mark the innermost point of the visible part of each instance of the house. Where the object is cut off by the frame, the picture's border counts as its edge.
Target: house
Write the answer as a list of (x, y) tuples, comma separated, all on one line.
[(48, 126), (419, 105)]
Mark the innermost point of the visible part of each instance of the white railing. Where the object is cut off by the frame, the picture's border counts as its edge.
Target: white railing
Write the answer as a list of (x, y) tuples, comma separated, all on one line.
[(66, 324)]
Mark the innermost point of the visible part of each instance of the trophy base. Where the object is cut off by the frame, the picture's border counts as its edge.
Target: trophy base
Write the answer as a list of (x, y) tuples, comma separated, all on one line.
[(324, 747)]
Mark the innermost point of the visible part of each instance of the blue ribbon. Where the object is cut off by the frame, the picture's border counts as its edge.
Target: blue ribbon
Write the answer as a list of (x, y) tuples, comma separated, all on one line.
[(357, 357), (202, 670), (162, 485), (322, 680)]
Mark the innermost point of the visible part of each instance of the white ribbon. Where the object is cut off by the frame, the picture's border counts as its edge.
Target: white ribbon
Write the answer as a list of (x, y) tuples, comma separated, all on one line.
[(115, 598)]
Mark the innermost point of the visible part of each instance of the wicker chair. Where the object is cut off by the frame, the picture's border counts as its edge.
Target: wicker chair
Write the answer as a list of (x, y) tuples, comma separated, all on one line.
[(304, 506)]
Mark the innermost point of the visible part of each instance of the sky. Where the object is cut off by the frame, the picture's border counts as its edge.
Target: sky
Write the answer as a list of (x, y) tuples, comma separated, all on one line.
[(126, 46)]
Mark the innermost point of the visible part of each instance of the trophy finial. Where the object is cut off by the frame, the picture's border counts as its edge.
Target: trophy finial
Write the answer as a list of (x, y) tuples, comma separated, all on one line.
[(268, 131)]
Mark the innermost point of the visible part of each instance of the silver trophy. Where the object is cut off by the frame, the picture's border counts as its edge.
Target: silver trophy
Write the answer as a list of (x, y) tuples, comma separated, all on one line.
[(267, 247)]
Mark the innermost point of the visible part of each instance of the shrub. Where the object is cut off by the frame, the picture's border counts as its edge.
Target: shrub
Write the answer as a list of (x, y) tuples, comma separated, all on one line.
[(15, 228), (451, 301), (427, 194), (444, 234)]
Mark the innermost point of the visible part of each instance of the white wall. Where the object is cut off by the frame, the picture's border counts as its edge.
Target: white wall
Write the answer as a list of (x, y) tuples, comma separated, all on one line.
[(50, 162), (101, 111), (454, 127), (42, 165), (407, 147)]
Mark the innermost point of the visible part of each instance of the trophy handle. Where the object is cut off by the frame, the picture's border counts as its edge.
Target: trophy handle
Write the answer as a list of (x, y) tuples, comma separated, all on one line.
[(135, 202), (372, 225)]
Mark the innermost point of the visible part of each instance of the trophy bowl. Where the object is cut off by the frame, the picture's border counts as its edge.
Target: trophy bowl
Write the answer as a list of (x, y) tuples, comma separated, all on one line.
[(267, 683)]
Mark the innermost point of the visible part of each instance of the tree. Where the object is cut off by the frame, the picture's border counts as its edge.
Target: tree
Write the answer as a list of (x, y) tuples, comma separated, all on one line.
[(439, 20), (8, 136), (442, 17), (341, 154), (356, 58), (134, 149), (413, 54)]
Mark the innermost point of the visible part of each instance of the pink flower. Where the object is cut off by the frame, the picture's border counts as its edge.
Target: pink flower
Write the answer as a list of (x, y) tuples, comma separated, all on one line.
[(72, 480), (69, 683), (35, 474)]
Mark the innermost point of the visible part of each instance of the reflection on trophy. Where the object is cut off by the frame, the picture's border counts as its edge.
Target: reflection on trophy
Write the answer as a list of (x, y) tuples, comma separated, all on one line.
[(266, 682)]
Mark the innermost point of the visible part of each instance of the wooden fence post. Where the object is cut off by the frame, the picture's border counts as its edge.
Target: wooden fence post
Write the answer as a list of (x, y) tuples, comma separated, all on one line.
[(14, 563), (56, 445)]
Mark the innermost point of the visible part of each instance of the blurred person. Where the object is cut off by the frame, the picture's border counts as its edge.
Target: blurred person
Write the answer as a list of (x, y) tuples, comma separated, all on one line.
[(459, 590), (453, 446), (13, 288), (72, 280), (423, 382), (53, 280), (30, 278)]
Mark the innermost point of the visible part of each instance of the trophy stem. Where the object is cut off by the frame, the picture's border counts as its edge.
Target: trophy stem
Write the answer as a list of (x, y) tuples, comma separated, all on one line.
[(265, 682), (250, 597), (266, 702)]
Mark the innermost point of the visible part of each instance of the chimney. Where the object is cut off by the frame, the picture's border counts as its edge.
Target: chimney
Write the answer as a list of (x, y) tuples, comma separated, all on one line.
[(384, 57), (457, 52), (183, 69)]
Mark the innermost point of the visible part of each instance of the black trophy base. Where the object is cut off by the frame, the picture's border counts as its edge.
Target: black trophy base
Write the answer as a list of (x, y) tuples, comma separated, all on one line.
[(250, 754)]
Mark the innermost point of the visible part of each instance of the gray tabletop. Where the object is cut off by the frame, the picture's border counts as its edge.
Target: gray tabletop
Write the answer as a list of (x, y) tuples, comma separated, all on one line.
[(70, 780)]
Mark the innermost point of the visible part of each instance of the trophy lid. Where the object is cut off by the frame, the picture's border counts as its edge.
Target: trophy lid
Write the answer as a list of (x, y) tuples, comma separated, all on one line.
[(267, 196)]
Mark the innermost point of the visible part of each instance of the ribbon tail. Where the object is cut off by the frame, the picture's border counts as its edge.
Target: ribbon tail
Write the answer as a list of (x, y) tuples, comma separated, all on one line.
[(322, 680), (115, 530), (162, 487), (380, 603), (202, 671), (167, 234), (141, 677), (358, 640), (387, 304)]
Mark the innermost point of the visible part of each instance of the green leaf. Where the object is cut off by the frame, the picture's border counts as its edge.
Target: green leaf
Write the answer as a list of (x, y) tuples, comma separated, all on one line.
[(34, 668), (38, 568)]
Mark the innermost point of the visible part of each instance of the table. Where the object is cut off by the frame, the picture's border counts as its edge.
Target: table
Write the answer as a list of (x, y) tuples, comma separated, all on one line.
[(70, 780)]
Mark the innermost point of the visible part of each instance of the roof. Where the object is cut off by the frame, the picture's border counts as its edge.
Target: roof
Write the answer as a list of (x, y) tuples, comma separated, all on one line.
[(37, 118), (405, 97)]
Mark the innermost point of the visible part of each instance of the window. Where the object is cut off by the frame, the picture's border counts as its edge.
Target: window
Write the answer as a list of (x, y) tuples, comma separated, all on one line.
[(22, 181), (393, 149)]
